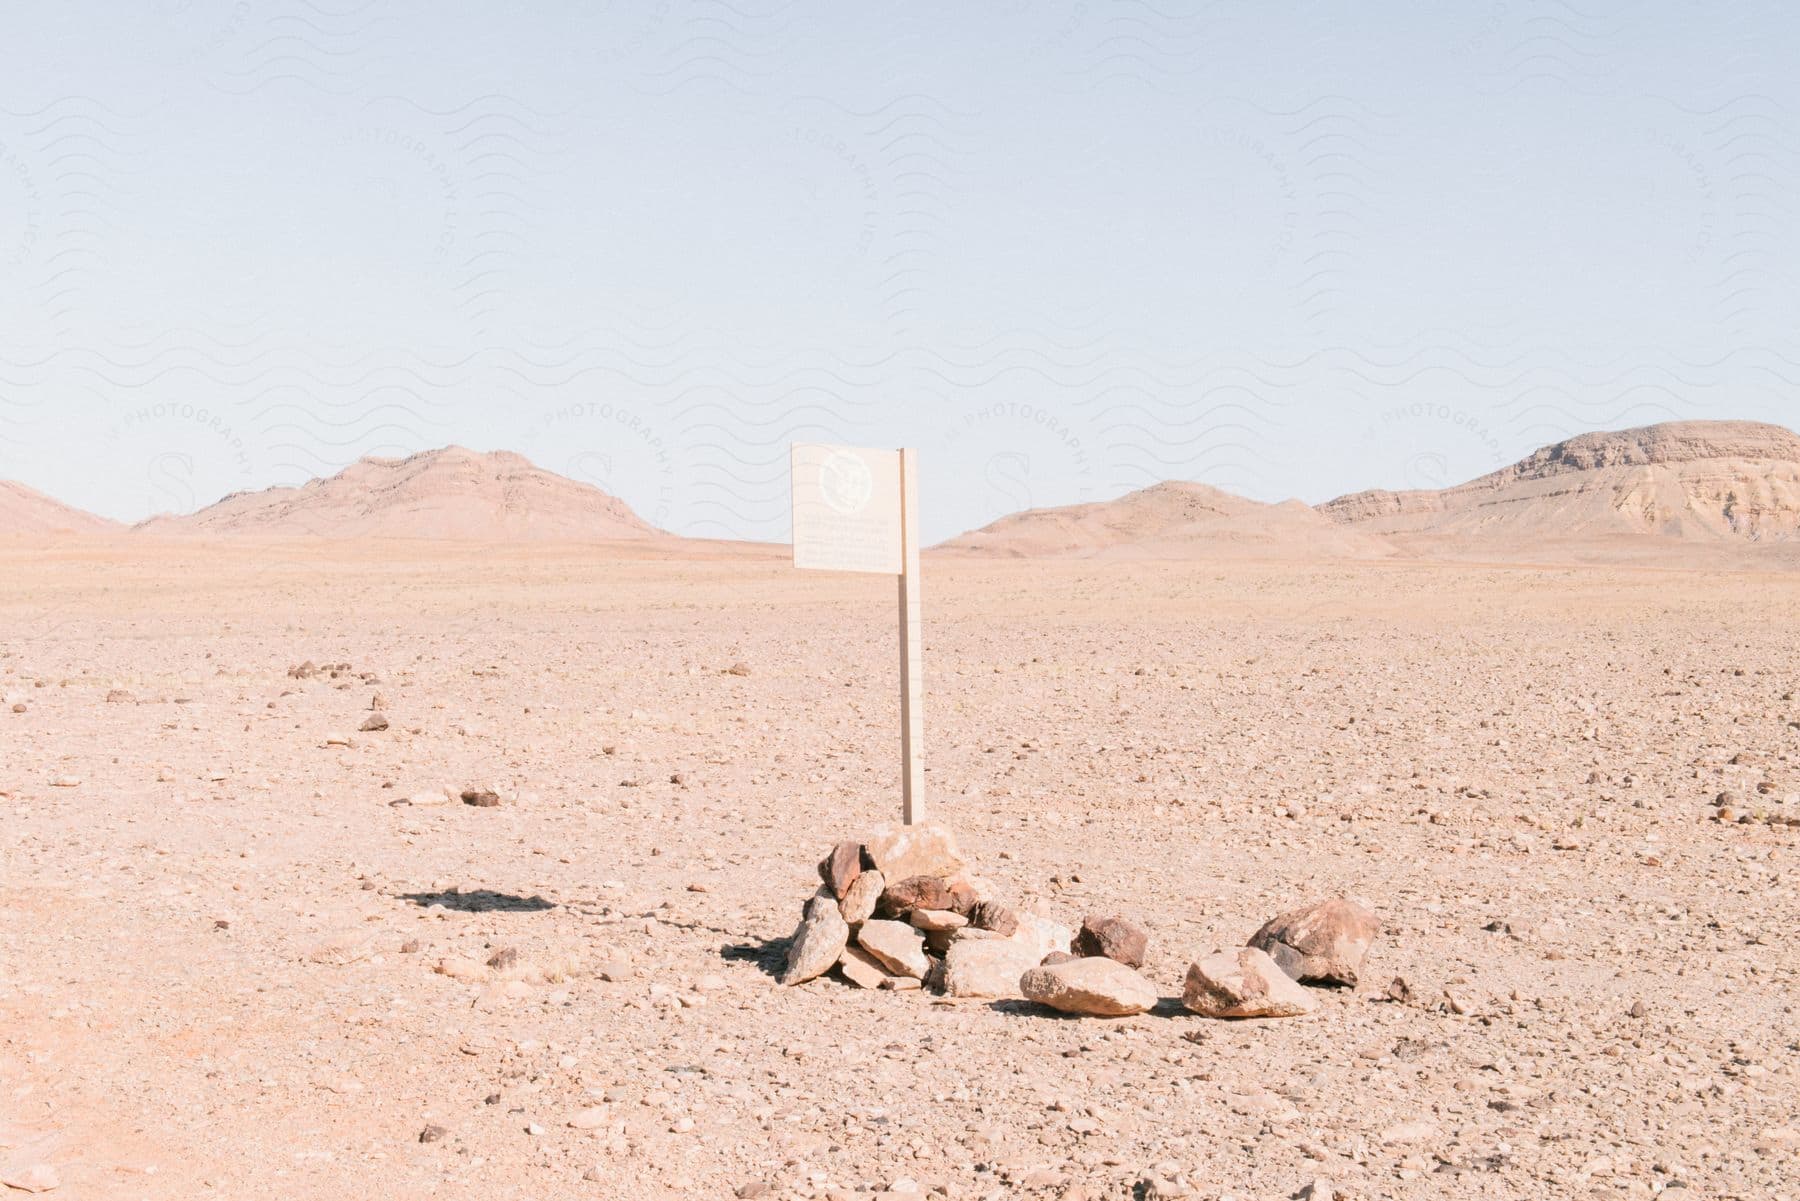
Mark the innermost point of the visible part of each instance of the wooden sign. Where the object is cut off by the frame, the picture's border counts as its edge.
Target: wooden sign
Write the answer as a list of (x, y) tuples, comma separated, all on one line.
[(857, 509)]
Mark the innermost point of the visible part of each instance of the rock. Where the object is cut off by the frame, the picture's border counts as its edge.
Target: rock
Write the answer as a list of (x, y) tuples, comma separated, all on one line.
[(964, 896), (1044, 935), (432, 1134), (1245, 983), (990, 915), (1095, 986), (861, 968), (858, 905), (902, 983), (305, 671), (1056, 957), (1320, 944), (986, 967), (902, 852), (119, 696), (1113, 937), (35, 1178), (66, 782), (481, 798), (841, 868), (754, 1188), (936, 921), (374, 724), (738, 669), (591, 1118), (897, 946), (819, 941), (916, 892)]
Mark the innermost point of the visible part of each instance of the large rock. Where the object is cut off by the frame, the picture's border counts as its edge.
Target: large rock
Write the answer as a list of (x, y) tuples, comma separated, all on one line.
[(991, 915), (861, 968), (858, 905), (896, 946), (902, 852), (918, 892), (840, 869), (1044, 935), (936, 921), (1097, 987), (1244, 983), (986, 967), (1320, 944), (1113, 937), (819, 941)]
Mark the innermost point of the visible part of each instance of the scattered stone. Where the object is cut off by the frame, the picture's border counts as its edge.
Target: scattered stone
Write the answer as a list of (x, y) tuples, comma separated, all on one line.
[(902, 852), (1405, 1134), (432, 1134), (1320, 944), (738, 669), (66, 782), (1245, 983), (859, 902), (989, 915), (819, 941), (591, 1118), (481, 798), (304, 671), (1097, 986), (755, 1188), (119, 696), (1115, 938), (916, 892), (897, 946), (374, 724)]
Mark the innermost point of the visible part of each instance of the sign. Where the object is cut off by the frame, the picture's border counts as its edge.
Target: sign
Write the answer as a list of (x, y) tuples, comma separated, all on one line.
[(846, 509), (858, 510)]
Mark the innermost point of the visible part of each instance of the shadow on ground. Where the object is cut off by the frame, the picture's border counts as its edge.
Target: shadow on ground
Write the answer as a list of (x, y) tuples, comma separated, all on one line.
[(482, 900), (768, 954)]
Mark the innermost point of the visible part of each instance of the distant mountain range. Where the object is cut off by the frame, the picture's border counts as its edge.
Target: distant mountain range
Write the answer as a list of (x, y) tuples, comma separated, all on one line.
[(1689, 483)]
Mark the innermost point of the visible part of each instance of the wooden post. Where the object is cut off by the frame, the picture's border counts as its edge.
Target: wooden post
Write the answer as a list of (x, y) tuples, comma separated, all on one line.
[(912, 660)]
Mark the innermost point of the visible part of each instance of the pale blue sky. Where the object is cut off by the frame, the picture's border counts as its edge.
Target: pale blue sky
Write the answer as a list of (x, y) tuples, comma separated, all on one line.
[(1065, 249)]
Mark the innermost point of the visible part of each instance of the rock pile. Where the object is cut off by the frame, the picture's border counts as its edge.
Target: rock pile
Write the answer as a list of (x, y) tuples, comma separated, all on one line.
[(901, 911)]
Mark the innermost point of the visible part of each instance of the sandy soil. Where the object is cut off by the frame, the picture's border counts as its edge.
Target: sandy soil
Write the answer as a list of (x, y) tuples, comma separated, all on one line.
[(206, 987)]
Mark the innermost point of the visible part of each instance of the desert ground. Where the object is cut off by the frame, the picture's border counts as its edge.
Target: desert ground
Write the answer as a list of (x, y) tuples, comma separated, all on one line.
[(222, 924)]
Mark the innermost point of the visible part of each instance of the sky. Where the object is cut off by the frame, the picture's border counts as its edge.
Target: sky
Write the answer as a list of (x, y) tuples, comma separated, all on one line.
[(1064, 248)]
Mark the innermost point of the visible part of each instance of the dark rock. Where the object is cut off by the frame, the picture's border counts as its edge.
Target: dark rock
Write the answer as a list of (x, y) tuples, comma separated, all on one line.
[(991, 915), (840, 869), (917, 892), (1113, 938), (481, 798)]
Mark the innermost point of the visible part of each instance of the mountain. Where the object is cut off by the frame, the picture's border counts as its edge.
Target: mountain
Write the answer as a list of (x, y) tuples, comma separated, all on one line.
[(30, 514), (1689, 481), (451, 494), (1174, 520)]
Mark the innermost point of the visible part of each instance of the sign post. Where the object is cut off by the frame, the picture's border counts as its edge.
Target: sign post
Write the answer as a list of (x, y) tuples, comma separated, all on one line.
[(857, 509)]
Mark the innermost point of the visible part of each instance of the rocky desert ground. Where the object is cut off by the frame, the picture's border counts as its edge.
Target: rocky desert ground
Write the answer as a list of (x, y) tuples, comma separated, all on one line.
[(248, 947)]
